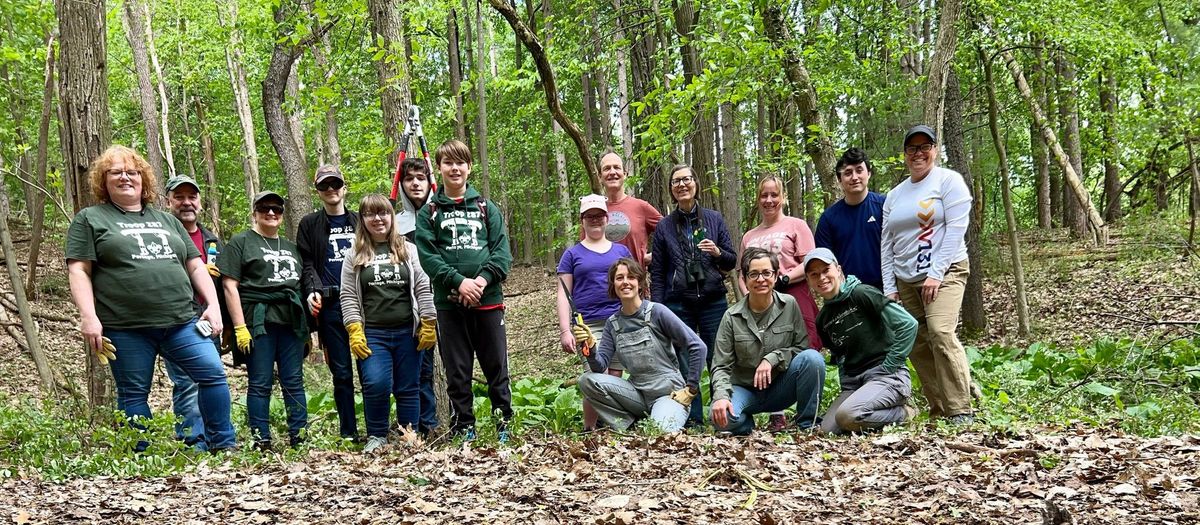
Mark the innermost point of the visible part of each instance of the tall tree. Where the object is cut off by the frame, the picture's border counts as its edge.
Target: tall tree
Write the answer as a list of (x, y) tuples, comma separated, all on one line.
[(331, 150), (455, 64), (939, 64), (163, 102), (37, 207), (481, 127), (1107, 81), (1037, 145), (1068, 112), (241, 93), (974, 315), (387, 34), (135, 34)]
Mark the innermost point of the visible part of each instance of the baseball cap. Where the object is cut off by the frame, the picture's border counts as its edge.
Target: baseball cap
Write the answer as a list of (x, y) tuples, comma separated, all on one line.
[(263, 195), (920, 129), (327, 171), (592, 202), (180, 180), (819, 254)]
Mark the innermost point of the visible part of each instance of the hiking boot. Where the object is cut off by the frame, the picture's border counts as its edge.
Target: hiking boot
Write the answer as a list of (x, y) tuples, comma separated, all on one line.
[(295, 441), (374, 443), (777, 424), (263, 445), (961, 419)]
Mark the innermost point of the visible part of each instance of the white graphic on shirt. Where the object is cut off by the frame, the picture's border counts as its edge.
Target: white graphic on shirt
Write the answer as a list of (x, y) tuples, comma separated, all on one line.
[(341, 240), (870, 220), (283, 265), (618, 226), (772, 242), (153, 240), (386, 272), (464, 227)]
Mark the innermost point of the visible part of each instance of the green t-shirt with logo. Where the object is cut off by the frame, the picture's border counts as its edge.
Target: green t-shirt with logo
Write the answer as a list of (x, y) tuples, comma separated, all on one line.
[(263, 265), (385, 289), (139, 273)]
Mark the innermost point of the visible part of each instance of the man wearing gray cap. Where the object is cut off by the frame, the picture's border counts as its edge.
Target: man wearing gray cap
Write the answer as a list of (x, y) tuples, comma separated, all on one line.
[(183, 198)]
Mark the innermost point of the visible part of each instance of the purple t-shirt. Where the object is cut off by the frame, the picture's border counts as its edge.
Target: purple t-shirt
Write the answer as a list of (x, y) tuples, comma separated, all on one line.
[(590, 273)]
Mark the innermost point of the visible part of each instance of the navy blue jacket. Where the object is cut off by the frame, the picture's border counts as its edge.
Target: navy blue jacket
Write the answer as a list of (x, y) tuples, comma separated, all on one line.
[(672, 246)]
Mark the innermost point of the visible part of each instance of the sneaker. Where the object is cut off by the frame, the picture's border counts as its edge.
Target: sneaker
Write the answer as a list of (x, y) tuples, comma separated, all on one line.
[(374, 443), (295, 441), (778, 423), (502, 437), (467, 433), (263, 445), (961, 419)]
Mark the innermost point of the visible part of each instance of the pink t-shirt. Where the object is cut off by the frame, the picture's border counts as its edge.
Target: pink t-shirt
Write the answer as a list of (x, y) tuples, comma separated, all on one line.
[(789, 238), (630, 222)]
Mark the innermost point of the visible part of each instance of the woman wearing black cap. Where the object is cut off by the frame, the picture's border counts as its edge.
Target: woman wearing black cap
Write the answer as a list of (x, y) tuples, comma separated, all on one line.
[(262, 290), (924, 257)]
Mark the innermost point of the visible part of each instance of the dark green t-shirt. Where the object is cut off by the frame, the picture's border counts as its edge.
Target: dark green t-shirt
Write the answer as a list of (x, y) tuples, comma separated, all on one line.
[(385, 288), (854, 329), (139, 273), (263, 265)]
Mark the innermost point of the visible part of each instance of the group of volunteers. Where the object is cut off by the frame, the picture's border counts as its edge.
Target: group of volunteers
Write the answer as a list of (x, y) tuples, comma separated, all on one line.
[(641, 298), (890, 273)]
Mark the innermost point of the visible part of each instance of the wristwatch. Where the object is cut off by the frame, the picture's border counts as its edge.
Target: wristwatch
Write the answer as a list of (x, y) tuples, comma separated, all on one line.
[(693, 390), (782, 282)]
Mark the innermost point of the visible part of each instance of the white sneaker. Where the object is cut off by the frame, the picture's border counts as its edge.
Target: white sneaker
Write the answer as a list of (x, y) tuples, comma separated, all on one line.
[(374, 443)]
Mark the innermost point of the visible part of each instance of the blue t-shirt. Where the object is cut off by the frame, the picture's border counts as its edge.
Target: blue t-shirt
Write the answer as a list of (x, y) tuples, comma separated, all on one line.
[(853, 234), (341, 240), (589, 271)]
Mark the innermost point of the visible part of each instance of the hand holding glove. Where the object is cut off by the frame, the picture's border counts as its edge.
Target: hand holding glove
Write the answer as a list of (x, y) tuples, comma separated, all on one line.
[(427, 334), (212, 270), (242, 334), (358, 341), (685, 395), (106, 353), (583, 335)]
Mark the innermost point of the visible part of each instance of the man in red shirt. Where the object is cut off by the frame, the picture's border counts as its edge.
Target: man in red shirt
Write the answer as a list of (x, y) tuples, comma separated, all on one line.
[(630, 220)]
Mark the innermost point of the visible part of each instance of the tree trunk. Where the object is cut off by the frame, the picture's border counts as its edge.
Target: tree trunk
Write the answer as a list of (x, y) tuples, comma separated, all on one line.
[(84, 122), (37, 207), (295, 117), (687, 15), (623, 93), (32, 339), (1051, 110), (241, 95), (391, 70), (818, 145), (460, 119), (331, 153), (1010, 217), (939, 64), (1194, 209), (164, 106), (1098, 228), (481, 131), (135, 34), (1068, 111), (546, 73), (731, 176), (974, 316), (1037, 145), (1112, 175), (213, 199), (291, 158), (600, 79)]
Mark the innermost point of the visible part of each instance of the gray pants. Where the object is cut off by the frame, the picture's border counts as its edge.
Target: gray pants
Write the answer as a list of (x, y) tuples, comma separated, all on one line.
[(869, 400), (619, 404)]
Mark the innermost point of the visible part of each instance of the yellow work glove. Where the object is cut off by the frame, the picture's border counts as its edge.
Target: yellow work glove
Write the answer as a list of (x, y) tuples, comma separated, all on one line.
[(212, 270), (107, 352), (242, 334), (358, 341), (685, 395), (427, 334), (583, 335)]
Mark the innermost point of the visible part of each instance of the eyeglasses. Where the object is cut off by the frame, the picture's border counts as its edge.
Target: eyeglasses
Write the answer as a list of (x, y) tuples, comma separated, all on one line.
[(374, 216), (116, 174), (681, 181), (273, 208), (756, 276), (923, 148), (330, 184)]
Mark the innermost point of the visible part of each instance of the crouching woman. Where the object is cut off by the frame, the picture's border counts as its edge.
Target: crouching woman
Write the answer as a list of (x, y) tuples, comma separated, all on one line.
[(869, 337), (642, 334)]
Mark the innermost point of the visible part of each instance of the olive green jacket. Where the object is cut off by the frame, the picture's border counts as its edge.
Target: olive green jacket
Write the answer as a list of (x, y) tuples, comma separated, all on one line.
[(741, 346)]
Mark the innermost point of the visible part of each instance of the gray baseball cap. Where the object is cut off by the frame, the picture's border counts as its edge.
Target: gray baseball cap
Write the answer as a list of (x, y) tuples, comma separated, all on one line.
[(264, 195), (819, 254)]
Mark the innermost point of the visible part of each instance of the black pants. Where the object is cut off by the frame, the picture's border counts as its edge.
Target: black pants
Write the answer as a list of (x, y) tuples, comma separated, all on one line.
[(463, 336)]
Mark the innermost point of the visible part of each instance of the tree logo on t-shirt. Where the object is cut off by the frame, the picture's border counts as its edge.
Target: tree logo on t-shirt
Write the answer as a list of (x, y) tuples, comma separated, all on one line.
[(386, 272), (618, 226), (153, 241), (464, 231), (283, 265)]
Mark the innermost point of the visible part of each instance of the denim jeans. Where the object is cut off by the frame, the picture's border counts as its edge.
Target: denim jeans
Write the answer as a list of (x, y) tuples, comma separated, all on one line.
[(429, 420), (185, 403), (800, 385), (703, 317), (336, 343), (392, 369), (197, 358), (279, 346)]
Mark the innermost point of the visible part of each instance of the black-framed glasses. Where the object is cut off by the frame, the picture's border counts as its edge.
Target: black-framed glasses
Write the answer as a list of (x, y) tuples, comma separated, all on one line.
[(923, 148), (681, 181), (269, 208), (765, 274), (331, 183)]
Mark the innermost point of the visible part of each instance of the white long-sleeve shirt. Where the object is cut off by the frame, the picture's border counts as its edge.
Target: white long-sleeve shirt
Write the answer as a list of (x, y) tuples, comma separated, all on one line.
[(924, 228)]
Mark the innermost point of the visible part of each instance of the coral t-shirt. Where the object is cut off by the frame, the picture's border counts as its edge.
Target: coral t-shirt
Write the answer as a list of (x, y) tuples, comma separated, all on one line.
[(630, 223), (789, 238)]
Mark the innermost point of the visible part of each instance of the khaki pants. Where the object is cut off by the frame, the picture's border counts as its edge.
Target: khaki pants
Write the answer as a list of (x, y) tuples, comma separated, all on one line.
[(937, 355)]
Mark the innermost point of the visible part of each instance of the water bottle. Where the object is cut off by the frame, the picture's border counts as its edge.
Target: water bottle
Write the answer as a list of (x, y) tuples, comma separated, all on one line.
[(212, 253)]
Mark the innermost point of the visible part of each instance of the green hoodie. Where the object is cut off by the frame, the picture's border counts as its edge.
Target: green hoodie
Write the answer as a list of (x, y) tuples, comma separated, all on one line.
[(458, 240), (862, 329)]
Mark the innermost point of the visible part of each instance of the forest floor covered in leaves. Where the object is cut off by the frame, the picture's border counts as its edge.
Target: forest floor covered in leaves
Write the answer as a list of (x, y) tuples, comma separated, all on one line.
[(1086, 472)]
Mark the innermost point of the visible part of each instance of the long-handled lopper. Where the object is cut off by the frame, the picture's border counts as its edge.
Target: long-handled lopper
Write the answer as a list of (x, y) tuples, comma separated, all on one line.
[(412, 125)]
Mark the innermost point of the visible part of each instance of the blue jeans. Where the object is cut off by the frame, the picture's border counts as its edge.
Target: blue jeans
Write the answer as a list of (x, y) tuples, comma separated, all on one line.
[(337, 355), (429, 420), (279, 346), (801, 384), (703, 317), (392, 369), (196, 357), (185, 403)]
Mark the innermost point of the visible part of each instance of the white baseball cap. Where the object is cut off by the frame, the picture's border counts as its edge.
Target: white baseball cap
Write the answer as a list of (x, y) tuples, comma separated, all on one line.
[(593, 202)]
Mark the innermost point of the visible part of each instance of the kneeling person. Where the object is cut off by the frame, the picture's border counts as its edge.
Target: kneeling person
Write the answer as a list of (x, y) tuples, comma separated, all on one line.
[(641, 333), (762, 362), (870, 337)]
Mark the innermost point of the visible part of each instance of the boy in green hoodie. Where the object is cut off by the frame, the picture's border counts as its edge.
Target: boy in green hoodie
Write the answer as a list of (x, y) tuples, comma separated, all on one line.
[(463, 246), (869, 337)]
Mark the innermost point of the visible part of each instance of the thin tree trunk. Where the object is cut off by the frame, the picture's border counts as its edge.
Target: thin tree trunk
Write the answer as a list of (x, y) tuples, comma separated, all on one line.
[(135, 33), (481, 131), (84, 122), (1010, 217), (460, 119), (37, 209), (1112, 176), (212, 202), (32, 339), (164, 106), (1051, 110), (184, 99), (623, 93), (731, 183), (241, 95), (1037, 145), (687, 15), (391, 69), (331, 152), (1194, 209), (974, 315), (600, 79), (1098, 227), (274, 86), (939, 64), (1068, 111)]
